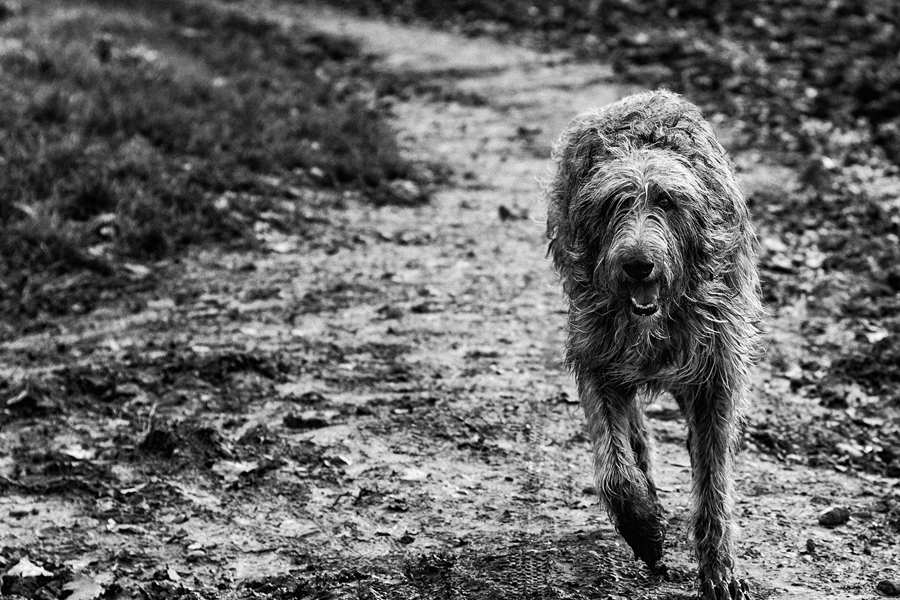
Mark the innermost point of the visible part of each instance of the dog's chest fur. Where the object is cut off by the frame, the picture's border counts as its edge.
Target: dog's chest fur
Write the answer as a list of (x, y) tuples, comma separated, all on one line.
[(639, 352)]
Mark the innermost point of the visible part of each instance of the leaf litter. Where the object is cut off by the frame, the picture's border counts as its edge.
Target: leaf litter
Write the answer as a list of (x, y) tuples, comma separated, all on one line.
[(451, 463)]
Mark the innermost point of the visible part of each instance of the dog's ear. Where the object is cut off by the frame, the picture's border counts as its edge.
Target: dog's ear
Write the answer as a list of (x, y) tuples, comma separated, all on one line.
[(576, 155)]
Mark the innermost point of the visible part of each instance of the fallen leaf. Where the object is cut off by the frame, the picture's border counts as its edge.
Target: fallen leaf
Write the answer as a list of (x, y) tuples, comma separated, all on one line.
[(83, 588), (414, 474), (774, 244), (282, 247), (78, 452), (161, 304), (137, 271), (875, 333), (26, 568), (128, 528), (230, 470), (294, 528)]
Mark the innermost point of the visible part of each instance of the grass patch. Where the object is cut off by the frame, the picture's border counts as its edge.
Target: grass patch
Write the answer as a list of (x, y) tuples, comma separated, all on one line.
[(124, 123)]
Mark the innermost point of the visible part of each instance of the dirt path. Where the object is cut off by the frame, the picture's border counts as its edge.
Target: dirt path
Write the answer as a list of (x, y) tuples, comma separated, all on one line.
[(392, 419)]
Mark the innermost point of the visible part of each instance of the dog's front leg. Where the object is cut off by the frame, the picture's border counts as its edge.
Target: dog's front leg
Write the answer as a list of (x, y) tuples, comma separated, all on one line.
[(712, 423), (623, 487)]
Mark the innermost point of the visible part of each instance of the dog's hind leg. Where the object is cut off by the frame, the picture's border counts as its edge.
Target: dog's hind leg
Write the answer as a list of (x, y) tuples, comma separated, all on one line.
[(712, 425), (621, 483)]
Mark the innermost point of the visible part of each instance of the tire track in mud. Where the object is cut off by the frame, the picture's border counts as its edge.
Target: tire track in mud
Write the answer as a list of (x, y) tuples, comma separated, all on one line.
[(522, 568), (532, 560)]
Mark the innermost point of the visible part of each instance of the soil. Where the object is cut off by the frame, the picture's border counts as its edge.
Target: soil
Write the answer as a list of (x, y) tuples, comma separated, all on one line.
[(373, 406)]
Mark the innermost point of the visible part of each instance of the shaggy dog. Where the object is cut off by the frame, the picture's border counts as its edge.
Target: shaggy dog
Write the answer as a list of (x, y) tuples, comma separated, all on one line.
[(653, 243)]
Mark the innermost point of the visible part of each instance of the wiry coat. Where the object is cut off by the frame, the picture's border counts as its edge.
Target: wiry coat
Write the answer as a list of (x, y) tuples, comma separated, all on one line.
[(645, 182)]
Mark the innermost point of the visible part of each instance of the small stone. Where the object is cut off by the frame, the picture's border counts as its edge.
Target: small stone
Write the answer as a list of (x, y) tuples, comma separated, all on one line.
[(311, 398), (893, 279), (851, 450), (834, 516), (512, 214), (390, 312), (888, 587), (306, 421), (103, 47), (407, 191), (195, 556)]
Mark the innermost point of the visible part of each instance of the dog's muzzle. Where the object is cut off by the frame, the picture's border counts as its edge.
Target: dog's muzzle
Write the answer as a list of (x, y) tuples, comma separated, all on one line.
[(644, 293)]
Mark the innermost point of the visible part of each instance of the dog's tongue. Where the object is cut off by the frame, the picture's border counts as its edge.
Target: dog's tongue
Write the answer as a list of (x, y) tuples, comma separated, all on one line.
[(645, 294), (644, 297)]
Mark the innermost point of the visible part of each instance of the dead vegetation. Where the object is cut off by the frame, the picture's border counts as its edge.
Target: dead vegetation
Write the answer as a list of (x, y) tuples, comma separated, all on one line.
[(131, 131)]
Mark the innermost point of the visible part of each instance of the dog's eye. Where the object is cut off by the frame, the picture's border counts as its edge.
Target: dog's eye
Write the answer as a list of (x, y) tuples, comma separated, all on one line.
[(665, 201)]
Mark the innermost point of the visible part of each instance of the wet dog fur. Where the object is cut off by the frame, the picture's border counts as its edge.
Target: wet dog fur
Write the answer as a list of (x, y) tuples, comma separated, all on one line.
[(652, 239)]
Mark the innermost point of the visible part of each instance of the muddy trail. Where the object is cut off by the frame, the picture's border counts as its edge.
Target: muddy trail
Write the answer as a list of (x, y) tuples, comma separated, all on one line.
[(374, 406)]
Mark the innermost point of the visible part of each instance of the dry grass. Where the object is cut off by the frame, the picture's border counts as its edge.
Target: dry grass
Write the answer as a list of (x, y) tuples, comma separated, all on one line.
[(124, 122)]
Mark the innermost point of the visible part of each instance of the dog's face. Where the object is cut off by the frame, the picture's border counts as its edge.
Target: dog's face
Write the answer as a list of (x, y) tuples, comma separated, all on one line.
[(641, 214)]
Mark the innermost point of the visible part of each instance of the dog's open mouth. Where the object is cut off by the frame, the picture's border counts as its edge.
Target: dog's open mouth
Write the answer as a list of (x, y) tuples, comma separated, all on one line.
[(644, 299)]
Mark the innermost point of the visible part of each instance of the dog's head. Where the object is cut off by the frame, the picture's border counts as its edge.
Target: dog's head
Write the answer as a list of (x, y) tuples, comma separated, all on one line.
[(645, 211), (640, 217)]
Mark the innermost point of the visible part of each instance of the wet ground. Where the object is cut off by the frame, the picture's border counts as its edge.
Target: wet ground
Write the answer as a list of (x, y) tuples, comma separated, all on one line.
[(374, 406)]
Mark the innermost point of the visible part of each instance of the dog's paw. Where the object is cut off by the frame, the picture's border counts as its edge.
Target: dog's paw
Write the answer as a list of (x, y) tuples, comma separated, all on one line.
[(736, 589), (639, 519), (645, 533)]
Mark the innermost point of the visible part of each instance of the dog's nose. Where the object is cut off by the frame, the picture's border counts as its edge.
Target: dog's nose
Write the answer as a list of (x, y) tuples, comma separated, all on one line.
[(638, 269)]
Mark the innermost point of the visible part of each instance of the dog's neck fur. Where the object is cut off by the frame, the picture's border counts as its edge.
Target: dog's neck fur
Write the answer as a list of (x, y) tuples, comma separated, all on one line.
[(668, 350)]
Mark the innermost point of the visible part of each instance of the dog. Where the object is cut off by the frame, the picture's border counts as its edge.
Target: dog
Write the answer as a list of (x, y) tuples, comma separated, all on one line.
[(652, 239)]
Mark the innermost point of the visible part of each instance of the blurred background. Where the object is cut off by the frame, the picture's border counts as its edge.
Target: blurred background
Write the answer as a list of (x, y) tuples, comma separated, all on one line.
[(272, 282)]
